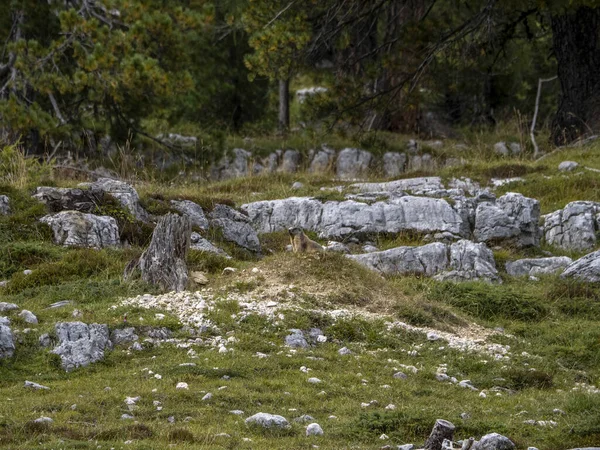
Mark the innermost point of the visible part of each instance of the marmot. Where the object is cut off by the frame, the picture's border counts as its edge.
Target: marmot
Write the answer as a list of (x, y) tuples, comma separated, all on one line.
[(301, 243)]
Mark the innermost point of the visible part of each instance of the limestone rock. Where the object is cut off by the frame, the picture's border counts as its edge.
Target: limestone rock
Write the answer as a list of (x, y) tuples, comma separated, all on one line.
[(232, 165), (203, 245), (512, 219), (334, 219), (193, 211), (80, 344), (494, 441), (76, 229), (338, 247), (568, 166), (585, 269), (423, 163), (314, 429), (353, 163), (290, 162), (429, 260), (28, 317), (4, 205), (125, 194), (296, 339), (415, 186), (470, 261), (537, 266), (501, 148), (65, 199), (7, 344), (236, 227), (574, 227), (266, 420), (123, 336), (4, 306), (394, 164), (322, 161)]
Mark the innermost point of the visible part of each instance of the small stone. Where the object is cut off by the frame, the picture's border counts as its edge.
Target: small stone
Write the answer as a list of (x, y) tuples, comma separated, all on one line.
[(314, 380), (304, 419), (266, 420), (199, 278), (237, 412), (465, 416), (296, 339), (568, 166), (390, 407), (229, 270), (182, 385), (344, 351), (27, 272), (482, 394), (43, 420), (297, 185), (73, 407), (384, 437), (400, 375), (4, 307), (32, 385), (314, 429), (137, 347), (171, 419), (59, 304), (127, 417), (431, 336), (207, 397), (28, 317), (255, 270)]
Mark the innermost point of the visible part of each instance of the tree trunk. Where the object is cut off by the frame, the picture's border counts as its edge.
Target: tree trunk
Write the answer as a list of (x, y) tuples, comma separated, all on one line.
[(163, 262), (284, 105), (441, 430), (576, 42)]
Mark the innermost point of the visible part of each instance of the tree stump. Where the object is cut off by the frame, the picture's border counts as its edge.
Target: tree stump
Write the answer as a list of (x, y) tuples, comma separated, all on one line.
[(441, 430), (163, 262)]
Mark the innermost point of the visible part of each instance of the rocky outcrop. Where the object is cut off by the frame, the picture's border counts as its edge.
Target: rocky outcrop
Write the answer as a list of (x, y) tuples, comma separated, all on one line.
[(290, 162), (567, 166), (7, 344), (537, 266), (76, 229), (512, 219), (4, 205), (80, 344), (193, 211), (461, 261), (125, 194), (353, 163), (574, 227), (427, 260), (340, 219), (470, 261), (236, 227), (585, 269), (204, 245), (415, 186)]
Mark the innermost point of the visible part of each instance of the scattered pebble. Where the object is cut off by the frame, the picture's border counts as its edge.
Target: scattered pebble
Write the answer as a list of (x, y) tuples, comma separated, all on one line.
[(314, 429), (182, 385)]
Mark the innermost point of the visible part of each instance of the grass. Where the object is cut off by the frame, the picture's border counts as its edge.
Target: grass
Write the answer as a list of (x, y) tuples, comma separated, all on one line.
[(551, 327)]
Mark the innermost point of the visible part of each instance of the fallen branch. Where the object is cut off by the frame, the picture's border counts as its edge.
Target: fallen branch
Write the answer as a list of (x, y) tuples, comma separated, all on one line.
[(536, 149)]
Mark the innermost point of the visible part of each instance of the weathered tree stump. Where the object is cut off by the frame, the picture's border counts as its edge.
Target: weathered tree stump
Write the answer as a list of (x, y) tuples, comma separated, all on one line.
[(441, 430), (163, 262)]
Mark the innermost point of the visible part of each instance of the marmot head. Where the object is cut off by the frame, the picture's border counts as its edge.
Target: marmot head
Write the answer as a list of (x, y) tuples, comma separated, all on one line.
[(294, 231)]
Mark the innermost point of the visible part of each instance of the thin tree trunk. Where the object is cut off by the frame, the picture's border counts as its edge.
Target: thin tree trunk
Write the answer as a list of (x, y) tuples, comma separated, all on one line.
[(576, 42), (284, 105)]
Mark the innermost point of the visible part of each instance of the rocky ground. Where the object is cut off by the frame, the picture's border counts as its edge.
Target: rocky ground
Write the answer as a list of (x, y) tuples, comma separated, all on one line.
[(465, 295)]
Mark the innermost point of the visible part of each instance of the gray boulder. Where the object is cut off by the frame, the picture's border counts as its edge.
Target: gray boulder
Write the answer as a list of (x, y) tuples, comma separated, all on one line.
[(76, 229), (4, 205), (470, 261), (322, 161), (66, 199), (394, 164), (512, 219), (271, 162), (235, 226), (125, 194), (574, 227), (296, 339), (429, 260), (336, 220), (123, 336), (232, 165), (290, 162), (81, 344), (501, 149), (537, 266), (333, 246), (7, 343), (423, 163), (494, 441), (353, 163), (266, 420), (585, 269), (204, 245), (193, 211), (568, 166)]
